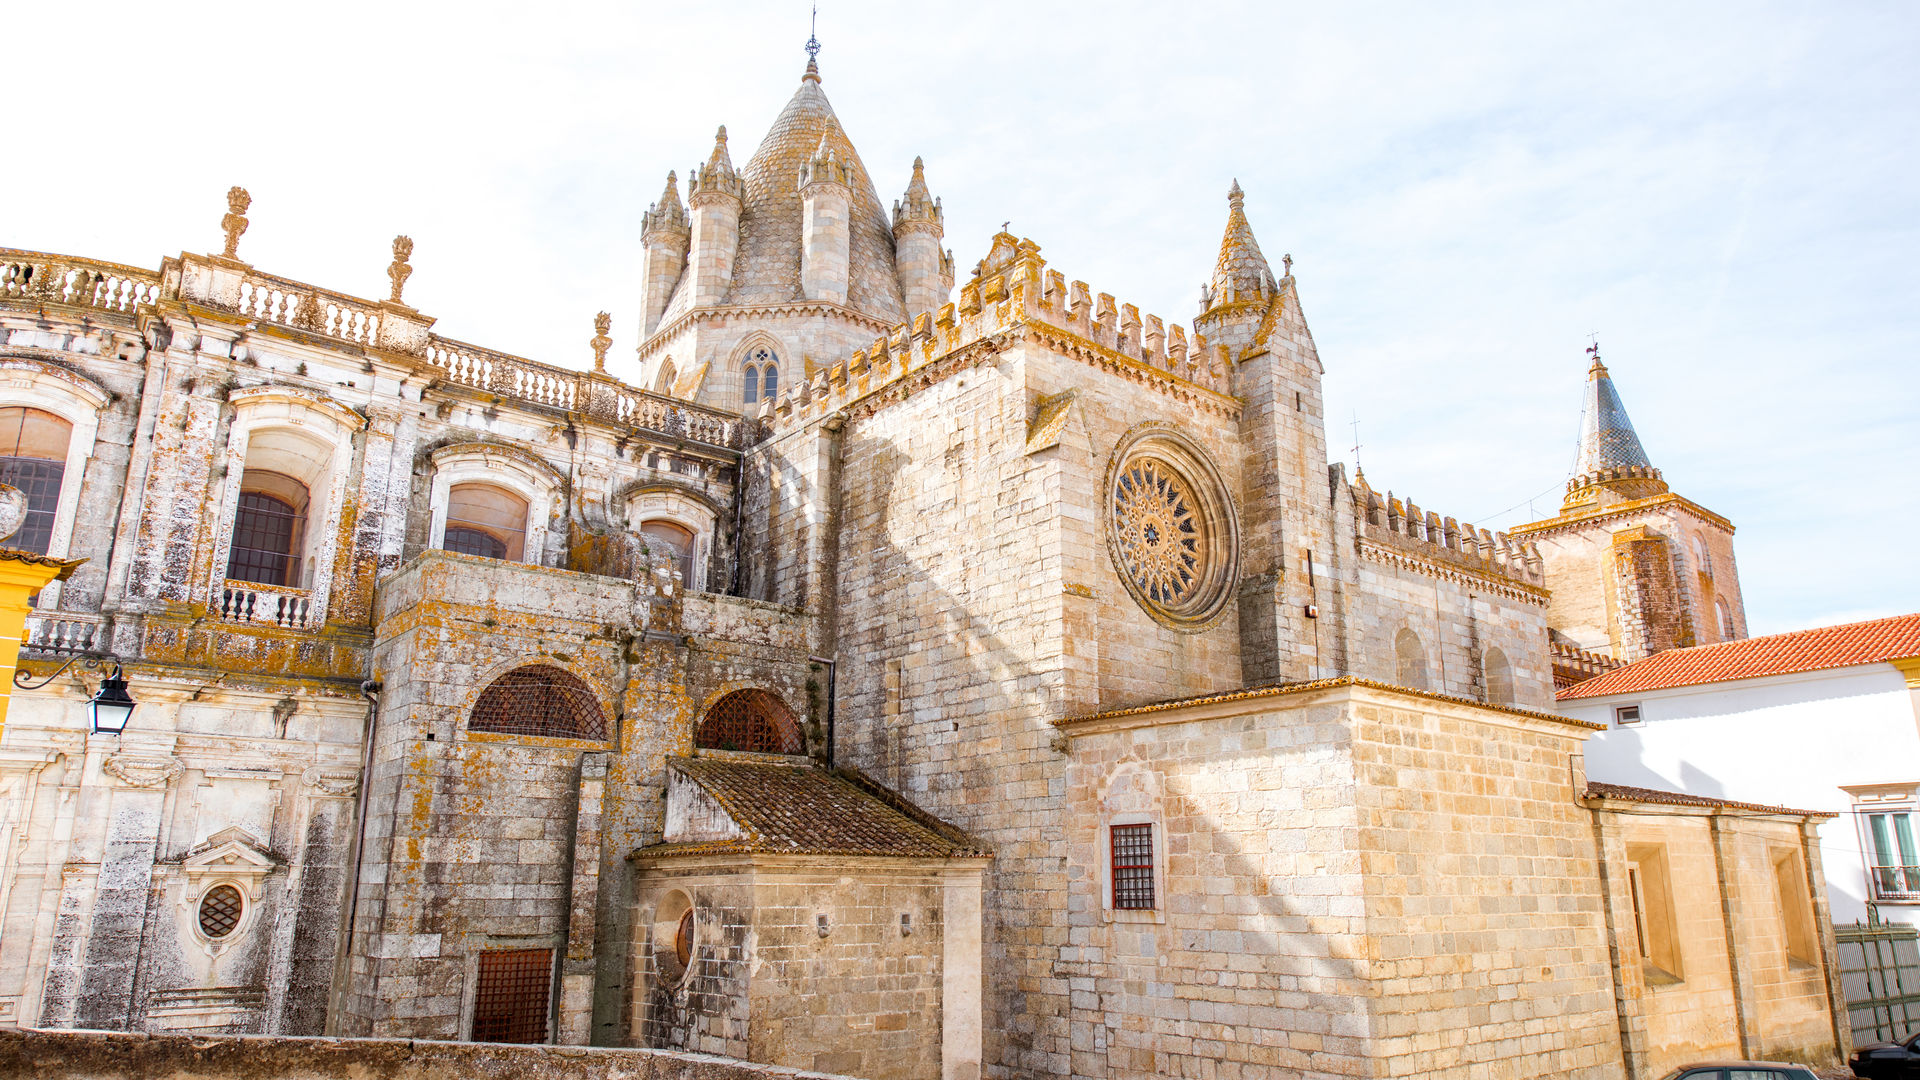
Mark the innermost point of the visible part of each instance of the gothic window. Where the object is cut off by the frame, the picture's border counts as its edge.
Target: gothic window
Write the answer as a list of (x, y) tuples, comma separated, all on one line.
[(1409, 660), (1132, 847), (1725, 613), (220, 911), (539, 700), (33, 458), (674, 541), (753, 720), (760, 378), (664, 384), (1499, 678), (1171, 530), (268, 529), (1703, 560), (514, 996), (485, 520)]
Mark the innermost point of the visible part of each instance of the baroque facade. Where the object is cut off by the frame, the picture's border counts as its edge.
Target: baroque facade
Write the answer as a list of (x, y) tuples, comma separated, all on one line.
[(896, 685)]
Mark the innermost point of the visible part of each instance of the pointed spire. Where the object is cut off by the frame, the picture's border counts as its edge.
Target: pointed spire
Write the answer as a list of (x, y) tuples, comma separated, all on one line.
[(667, 215), (917, 204), (1610, 452), (1241, 272), (813, 48), (720, 164), (717, 176)]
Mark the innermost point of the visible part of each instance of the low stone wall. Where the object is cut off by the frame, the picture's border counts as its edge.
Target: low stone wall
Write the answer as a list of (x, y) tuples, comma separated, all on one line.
[(112, 1055)]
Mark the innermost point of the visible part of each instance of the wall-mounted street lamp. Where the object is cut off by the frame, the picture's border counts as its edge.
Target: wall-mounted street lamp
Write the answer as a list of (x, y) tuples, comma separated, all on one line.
[(110, 708)]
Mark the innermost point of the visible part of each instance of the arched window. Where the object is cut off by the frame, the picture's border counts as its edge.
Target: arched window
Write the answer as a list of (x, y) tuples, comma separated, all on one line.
[(1727, 630), (269, 529), (540, 700), (33, 458), (760, 378), (1499, 678), (1703, 561), (755, 720), (664, 537), (1410, 660), (485, 520), (664, 384)]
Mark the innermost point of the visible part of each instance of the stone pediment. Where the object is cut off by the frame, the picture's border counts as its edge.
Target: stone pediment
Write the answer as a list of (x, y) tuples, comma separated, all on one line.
[(232, 854)]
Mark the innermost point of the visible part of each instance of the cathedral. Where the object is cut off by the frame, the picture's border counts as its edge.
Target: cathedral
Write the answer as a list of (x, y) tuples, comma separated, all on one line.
[(890, 671)]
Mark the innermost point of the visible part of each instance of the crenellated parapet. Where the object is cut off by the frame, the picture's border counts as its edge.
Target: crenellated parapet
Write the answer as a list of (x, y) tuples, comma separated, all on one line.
[(1624, 481), (1013, 296), (1402, 526)]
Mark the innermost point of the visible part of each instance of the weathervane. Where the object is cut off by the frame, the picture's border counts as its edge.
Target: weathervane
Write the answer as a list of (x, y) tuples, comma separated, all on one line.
[(813, 40)]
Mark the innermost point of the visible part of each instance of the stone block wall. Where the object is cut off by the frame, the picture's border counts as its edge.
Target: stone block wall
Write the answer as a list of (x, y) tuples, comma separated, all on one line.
[(1431, 908), (1737, 993), (864, 993)]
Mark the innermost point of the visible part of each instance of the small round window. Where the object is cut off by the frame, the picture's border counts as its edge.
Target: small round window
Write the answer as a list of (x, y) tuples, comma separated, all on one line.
[(673, 937), (220, 911), (683, 939)]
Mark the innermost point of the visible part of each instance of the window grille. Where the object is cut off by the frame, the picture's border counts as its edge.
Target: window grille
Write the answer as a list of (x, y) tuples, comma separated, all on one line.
[(264, 531), (220, 911), (539, 700), (33, 458), (1133, 867), (754, 720), (514, 996), (464, 541)]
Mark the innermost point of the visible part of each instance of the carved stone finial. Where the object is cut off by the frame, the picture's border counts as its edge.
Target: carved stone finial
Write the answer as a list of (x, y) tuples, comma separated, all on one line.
[(234, 223), (602, 323), (398, 270), (1287, 262)]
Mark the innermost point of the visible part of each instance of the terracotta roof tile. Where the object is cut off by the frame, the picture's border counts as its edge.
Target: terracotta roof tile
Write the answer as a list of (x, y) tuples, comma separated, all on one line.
[(1598, 790), (1825, 647), (802, 809)]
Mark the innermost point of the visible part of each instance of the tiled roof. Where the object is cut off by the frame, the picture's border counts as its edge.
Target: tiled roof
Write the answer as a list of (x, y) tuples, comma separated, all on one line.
[(803, 809), (1607, 438), (1598, 790), (1825, 647)]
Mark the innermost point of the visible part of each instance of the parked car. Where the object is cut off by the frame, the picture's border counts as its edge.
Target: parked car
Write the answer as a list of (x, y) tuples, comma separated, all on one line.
[(1875, 1061), (1746, 1070)]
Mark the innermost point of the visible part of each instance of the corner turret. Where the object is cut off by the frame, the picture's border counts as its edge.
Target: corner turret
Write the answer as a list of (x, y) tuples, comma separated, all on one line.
[(826, 241), (715, 194), (664, 234), (926, 272)]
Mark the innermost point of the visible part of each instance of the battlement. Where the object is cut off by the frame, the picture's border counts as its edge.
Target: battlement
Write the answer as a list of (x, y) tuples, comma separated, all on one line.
[(1618, 473), (1011, 289), (1572, 664), (1402, 525)]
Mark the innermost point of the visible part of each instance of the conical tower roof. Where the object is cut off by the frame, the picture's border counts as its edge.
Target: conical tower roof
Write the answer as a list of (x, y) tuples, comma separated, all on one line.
[(1607, 438), (1611, 464), (1241, 272), (767, 265)]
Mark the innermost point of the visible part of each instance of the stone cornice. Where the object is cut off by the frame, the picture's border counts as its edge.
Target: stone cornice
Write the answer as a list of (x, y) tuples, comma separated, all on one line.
[(1578, 518), (1512, 590), (1255, 699), (659, 338)]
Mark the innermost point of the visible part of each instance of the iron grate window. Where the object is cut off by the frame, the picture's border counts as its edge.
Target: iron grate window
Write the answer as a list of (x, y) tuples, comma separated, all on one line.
[(1133, 867), (464, 541), (753, 720), (539, 700), (39, 480), (514, 996), (220, 911), (264, 531)]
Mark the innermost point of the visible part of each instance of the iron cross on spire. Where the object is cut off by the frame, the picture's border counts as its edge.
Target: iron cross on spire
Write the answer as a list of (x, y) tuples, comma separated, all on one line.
[(1593, 350), (1356, 441), (813, 39)]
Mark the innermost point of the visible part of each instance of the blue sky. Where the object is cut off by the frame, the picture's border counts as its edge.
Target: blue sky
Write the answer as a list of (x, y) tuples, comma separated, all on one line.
[(1724, 192)]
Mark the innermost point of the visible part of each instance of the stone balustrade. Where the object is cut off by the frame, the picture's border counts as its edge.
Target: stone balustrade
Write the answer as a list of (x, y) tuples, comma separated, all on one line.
[(64, 633), (35, 277), (38, 277), (267, 605)]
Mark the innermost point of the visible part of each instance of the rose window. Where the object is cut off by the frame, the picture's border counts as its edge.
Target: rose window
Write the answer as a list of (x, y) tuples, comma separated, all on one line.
[(1171, 529), (1160, 538)]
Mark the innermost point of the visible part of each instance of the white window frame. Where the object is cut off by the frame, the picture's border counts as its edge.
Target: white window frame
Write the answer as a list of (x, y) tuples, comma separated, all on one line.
[(265, 408), (1863, 813), (1619, 719), (32, 384), (519, 471), (661, 502)]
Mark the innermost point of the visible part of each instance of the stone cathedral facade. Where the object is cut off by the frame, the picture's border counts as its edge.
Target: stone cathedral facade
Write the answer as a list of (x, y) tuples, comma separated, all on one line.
[(874, 676)]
